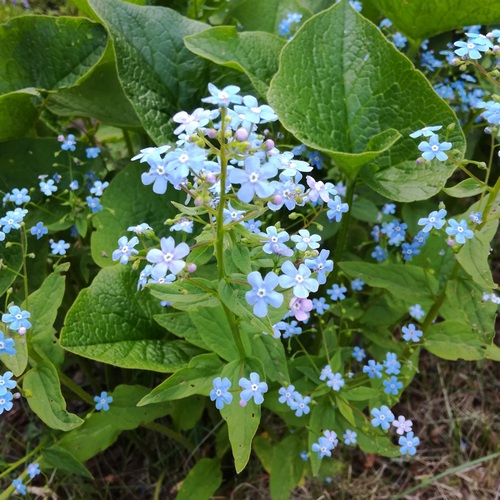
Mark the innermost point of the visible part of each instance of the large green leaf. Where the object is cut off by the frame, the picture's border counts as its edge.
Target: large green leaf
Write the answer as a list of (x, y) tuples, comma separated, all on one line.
[(474, 254), (17, 114), (463, 303), (254, 53), (99, 96), (11, 258), (43, 306), (196, 378), (419, 20), (102, 429), (48, 53), (287, 466), (410, 283), (112, 322), (61, 459), (202, 481), (322, 419), (213, 327), (344, 89), (158, 73), (454, 340), (270, 14), (242, 422), (129, 203), (43, 393)]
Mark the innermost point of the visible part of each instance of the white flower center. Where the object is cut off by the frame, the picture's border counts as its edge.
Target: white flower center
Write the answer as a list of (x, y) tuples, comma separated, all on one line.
[(254, 387), (183, 158), (168, 257), (261, 292), (435, 148)]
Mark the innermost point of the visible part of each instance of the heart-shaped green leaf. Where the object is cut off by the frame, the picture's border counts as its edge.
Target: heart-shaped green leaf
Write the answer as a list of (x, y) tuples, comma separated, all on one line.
[(28, 60), (254, 53), (112, 322), (419, 20), (158, 73), (344, 89)]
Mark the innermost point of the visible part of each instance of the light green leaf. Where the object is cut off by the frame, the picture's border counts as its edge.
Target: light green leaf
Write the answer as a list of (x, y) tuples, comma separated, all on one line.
[(43, 306), (27, 60), (264, 449), (420, 20), (463, 303), (272, 354), (360, 393), (242, 422), (43, 393), (322, 419), (196, 378), (493, 352), (474, 254), (410, 283), (158, 73), (202, 481), (287, 467), (369, 438), (129, 203), (102, 429), (213, 327), (181, 325), (99, 96), (19, 361), (454, 340), (253, 53), (345, 409), (11, 257), (465, 189), (61, 459), (113, 323), (353, 95), (187, 295)]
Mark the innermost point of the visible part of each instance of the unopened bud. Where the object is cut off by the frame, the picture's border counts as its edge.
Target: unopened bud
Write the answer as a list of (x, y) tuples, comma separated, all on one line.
[(198, 202), (277, 199), (451, 127), (269, 144), (191, 268), (419, 161), (22, 330), (293, 216), (241, 134), (450, 242), (211, 178), (212, 133)]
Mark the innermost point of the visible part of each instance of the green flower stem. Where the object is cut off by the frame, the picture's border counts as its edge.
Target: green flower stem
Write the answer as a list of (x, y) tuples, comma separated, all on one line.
[(24, 246), (491, 199), (219, 241), (128, 142), (220, 230), (75, 389), (470, 174), (486, 74), (22, 460), (235, 331), (171, 434), (344, 228)]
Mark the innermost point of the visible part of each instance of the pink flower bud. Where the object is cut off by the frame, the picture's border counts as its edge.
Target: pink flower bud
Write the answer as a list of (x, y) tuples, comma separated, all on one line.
[(211, 178), (269, 144), (243, 403), (211, 133), (241, 134), (277, 199), (191, 268), (22, 330)]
